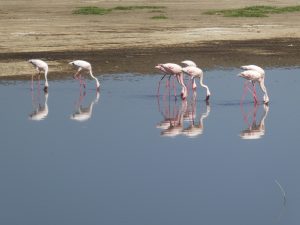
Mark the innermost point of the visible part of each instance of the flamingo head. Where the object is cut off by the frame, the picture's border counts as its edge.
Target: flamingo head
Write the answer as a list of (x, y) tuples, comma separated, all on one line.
[(207, 98), (72, 63), (158, 66)]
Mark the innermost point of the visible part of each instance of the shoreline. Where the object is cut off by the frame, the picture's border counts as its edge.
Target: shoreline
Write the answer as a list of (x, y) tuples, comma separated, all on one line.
[(278, 52)]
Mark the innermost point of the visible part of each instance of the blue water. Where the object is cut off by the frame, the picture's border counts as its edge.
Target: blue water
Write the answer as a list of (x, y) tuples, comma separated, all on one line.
[(121, 165)]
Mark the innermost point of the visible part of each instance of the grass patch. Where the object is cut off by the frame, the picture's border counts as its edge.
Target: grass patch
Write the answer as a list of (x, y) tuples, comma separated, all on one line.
[(127, 8), (93, 10), (159, 17), (156, 11), (254, 11)]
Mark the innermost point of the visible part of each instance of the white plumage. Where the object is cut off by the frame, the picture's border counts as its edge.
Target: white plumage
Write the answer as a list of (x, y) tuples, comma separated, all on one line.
[(195, 72), (40, 66), (176, 70), (84, 66), (188, 63), (255, 74)]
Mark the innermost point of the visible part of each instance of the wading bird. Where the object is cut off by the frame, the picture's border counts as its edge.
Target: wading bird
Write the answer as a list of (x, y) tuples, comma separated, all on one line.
[(40, 66), (255, 74), (86, 67), (195, 72), (175, 70)]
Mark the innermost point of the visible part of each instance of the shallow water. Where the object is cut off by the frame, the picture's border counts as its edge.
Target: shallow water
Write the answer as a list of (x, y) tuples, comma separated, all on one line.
[(121, 161)]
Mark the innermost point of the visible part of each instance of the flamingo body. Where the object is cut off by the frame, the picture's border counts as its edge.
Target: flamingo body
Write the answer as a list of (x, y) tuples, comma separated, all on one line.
[(40, 65), (254, 67), (188, 63)]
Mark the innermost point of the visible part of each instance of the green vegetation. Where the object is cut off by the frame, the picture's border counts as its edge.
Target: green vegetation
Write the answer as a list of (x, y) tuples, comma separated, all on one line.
[(156, 11), (93, 10), (160, 17), (138, 7), (254, 11)]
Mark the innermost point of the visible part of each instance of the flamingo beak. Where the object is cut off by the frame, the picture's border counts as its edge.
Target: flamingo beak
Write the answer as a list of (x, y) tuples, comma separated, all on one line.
[(46, 89)]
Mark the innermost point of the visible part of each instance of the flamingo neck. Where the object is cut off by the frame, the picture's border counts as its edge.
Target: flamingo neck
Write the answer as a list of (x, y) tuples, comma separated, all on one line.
[(46, 78), (264, 89), (97, 82), (205, 86)]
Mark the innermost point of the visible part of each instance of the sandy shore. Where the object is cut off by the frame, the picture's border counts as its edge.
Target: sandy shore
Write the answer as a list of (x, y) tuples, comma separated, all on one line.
[(130, 41)]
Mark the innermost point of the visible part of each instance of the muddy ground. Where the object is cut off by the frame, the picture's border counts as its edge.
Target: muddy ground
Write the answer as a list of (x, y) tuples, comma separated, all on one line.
[(130, 41)]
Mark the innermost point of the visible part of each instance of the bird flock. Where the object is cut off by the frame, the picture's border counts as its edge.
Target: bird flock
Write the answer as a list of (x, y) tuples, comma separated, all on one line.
[(252, 73)]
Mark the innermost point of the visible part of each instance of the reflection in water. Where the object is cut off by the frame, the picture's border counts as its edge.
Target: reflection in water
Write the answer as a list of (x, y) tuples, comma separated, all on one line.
[(81, 113), (181, 119), (254, 130), (40, 110)]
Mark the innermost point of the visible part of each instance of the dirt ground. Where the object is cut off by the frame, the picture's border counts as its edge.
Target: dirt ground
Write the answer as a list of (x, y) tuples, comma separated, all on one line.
[(130, 41)]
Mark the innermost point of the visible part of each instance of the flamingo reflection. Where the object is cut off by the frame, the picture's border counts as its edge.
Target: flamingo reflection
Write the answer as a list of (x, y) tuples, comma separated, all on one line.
[(81, 113), (196, 127), (41, 109), (254, 130), (181, 119)]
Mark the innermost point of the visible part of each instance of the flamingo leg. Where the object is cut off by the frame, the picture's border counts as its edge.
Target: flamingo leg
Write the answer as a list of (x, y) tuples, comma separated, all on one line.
[(157, 93), (194, 84), (253, 91), (75, 76), (174, 87), (168, 82), (32, 82), (82, 81)]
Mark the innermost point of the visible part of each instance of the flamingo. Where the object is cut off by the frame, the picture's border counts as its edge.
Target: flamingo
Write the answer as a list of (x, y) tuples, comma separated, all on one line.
[(40, 65), (84, 66), (176, 70), (255, 74), (195, 72), (188, 63)]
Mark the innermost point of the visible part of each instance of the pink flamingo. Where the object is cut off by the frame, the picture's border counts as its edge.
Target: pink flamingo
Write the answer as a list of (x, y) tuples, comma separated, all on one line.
[(255, 74), (84, 66), (195, 72), (40, 65), (175, 70)]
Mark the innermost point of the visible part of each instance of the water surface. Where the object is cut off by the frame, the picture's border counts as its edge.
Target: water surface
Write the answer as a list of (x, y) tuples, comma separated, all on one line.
[(127, 157)]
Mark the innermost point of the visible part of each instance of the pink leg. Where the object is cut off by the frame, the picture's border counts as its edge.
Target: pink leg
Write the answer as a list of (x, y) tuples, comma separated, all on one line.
[(253, 91), (158, 89), (174, 87), (32, 82)]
